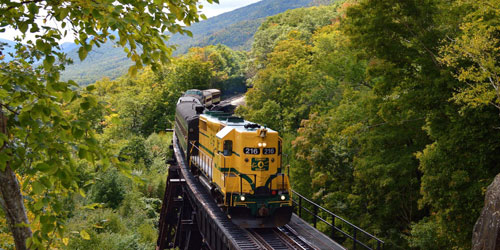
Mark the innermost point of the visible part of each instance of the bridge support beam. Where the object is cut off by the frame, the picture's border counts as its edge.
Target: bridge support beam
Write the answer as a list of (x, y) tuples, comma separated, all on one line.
[(171, 205)]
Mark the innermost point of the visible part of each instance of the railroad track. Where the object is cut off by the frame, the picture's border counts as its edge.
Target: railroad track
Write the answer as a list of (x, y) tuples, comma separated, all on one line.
[(263, 238), (279, 238)]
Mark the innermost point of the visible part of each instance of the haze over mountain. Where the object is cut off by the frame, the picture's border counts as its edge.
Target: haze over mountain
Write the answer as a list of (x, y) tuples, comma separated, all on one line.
[(7, 47), (234, 29)]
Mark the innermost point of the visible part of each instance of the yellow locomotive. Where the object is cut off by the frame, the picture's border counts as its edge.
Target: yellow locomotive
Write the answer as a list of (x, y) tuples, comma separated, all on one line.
[(238, 161)]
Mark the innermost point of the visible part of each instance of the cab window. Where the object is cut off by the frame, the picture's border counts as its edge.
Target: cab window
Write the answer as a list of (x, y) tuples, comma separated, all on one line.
[(228, 148)]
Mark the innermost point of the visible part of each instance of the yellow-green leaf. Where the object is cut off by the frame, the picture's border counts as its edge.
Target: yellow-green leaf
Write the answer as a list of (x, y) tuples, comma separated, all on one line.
[(84, 235), (37, 187), (44, 167)]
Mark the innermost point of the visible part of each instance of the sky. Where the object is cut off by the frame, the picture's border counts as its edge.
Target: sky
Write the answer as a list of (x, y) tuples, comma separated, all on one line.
[(209, 10)]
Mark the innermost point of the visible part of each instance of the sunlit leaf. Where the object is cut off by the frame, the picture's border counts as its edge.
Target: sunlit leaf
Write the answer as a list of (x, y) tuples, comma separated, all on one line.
[(84, 235)]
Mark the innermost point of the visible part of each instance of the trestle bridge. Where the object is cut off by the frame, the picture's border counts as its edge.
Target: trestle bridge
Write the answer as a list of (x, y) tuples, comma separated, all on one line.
[(190, 219)]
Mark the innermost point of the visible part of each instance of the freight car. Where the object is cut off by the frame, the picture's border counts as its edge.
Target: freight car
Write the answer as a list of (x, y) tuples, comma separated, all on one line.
[(238, 161)]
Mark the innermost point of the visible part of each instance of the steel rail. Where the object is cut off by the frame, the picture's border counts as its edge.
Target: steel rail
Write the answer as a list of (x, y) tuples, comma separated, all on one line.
[(287, 233), (280, 238), (217, 230)]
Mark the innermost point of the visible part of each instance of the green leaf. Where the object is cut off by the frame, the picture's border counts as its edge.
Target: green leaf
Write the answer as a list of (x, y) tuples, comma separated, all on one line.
[(23, 27), (85, 105), (47, 228), (82, 153), (77, 133), (132, 70), (34, 28), (46, 182), (64, 12), (72, 83), (38, 205), (43, 167), (37, 187), (33, 9), (68, 95), (3, 160), (82, 193), (90, 88), (3, 138), (3, 93), (82, 53), (50, 59), (84, 235), (92, 206)]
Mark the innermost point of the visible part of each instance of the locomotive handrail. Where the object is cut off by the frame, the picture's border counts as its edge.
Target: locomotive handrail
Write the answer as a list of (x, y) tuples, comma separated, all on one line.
[(331, 224), (205, 156), (212, 222)]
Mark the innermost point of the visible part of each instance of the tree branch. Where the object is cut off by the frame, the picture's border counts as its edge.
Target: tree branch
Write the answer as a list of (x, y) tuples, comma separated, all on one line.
[(9, 109), (21, 3)]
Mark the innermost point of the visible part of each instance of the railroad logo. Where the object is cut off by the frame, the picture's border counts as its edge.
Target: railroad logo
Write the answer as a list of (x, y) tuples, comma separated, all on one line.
[(260, 164)]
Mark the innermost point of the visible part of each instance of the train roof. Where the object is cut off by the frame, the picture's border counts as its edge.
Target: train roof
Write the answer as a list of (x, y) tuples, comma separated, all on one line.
[(212, 91), (228, 120), (190, 99), (186, 108)]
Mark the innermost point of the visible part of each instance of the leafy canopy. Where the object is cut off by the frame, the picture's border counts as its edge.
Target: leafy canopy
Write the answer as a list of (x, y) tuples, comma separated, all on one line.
[(44, 139)]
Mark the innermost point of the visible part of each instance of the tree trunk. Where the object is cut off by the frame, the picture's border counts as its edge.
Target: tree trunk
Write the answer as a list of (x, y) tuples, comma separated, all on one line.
[(11, 200)]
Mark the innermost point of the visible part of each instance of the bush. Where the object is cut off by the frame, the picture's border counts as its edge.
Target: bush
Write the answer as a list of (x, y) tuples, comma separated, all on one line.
[(109, 189), (135, 151)]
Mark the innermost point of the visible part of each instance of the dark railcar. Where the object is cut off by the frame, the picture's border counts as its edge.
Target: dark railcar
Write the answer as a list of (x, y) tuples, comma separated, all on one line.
[(186, 123)]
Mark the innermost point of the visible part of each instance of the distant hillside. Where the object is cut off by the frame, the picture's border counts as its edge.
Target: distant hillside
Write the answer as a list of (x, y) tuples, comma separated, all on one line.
[(8, 47), (234, 29)]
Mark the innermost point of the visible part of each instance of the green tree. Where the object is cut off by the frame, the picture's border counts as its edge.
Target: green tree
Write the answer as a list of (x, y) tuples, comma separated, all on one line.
[(39, 139), (403, 41), (109, 189), (475, 54)]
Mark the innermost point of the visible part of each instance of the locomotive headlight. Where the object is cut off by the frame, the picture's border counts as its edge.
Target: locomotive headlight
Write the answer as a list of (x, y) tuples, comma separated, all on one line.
[(242, 198), (282, 197), (260, 145), (264, 144)]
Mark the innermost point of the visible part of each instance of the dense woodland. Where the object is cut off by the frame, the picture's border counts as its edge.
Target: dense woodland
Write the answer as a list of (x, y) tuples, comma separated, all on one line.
[(389, 111)]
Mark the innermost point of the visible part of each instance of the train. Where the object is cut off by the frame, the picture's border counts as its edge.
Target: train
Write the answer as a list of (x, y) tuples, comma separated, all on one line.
[(209, 97), (238, 161)]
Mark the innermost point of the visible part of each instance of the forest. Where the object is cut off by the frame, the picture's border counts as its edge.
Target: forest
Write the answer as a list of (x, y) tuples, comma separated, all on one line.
[(389, 111)]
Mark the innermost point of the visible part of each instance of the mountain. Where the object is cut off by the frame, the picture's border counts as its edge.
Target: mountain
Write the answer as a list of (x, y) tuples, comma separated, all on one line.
[(9, 47), (234, 29), (67, 46)]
